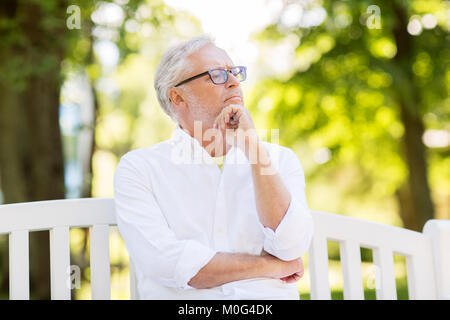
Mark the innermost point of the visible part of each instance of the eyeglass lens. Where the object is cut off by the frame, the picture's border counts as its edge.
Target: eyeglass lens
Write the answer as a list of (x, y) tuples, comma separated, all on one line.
[(220, 76)]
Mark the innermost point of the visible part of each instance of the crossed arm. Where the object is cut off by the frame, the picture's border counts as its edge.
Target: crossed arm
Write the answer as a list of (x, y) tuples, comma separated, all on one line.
[(227, 267)]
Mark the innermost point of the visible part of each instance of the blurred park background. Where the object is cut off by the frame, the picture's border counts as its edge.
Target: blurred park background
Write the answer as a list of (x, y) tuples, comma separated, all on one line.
[(358, 89)]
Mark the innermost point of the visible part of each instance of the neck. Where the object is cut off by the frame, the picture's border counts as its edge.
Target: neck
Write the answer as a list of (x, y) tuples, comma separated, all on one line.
[(213, 147)]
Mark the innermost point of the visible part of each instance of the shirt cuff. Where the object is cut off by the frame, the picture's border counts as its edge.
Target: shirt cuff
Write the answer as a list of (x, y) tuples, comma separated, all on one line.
[(194, 257), (292, 237)]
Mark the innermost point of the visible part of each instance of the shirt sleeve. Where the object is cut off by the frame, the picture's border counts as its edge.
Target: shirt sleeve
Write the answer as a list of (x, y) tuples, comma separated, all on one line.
[(293, 236), (152, 245)]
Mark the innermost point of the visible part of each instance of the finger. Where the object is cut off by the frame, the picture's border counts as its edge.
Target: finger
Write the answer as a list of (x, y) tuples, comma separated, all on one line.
[(288, 279), (236, 114), (218, 121), (226, 120), (291, 280), (231, 111), (235, 106), (235, 110)]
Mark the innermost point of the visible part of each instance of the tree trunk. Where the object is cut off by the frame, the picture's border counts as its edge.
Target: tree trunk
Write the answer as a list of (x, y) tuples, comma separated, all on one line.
[(409, 100), (418, 178), (406, 209), (31, 156)]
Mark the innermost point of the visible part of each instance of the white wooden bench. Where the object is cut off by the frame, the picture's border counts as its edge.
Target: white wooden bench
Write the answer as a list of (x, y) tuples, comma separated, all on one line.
[(427, 254)]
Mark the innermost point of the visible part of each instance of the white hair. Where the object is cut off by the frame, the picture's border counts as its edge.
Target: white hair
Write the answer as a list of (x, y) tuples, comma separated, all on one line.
[(173, 66)]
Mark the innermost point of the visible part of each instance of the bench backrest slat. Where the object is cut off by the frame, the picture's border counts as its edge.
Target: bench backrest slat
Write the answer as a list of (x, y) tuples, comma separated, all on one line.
[(318, 262), (100, 265), (439, 232), (19, 281), (383, 260), (351, 270), (134, 294), (420, 271), (60, 263)]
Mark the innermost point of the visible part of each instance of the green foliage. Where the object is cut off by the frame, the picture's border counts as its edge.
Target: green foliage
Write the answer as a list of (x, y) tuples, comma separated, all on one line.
[(344, 90), (127, 119), (34, 39)]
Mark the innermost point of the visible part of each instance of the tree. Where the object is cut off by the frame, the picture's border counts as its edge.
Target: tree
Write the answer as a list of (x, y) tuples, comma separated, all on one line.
[(37, 38), (33, 44), (362, 92)]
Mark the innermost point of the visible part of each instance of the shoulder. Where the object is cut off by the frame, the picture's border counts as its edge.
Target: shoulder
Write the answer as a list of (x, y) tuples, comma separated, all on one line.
[(145, 158), (139, 165), (283, 153)]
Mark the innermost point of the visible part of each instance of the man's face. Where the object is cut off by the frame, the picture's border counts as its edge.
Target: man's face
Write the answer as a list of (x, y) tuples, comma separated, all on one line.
[(204, 100)]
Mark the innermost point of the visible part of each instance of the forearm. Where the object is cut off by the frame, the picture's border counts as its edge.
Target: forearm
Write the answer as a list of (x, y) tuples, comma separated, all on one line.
[(271, 195), (228, 267)]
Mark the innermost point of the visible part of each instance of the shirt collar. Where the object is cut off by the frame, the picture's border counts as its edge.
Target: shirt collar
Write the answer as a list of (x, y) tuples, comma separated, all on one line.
[(188, 150)]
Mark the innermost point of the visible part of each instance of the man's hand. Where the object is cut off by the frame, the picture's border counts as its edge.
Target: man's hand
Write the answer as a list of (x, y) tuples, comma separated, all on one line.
[(293, 278), (287, 271), (237, 125), (234, 116)]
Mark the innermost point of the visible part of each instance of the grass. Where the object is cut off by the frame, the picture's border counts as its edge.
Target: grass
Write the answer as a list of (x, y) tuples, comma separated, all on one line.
[(402, 294)]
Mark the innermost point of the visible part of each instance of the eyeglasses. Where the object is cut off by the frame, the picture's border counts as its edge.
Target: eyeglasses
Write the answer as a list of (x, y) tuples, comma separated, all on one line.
[(220, 76)]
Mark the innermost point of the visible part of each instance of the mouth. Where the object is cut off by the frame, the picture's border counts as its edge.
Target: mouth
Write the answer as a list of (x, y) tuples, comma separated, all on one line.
[(234, 98)]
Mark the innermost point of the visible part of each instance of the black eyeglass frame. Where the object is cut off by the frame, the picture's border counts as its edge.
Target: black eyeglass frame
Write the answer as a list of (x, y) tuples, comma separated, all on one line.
[(209, 72)]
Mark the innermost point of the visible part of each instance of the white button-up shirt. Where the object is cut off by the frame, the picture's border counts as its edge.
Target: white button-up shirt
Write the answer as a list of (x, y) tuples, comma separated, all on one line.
[(176, 209)]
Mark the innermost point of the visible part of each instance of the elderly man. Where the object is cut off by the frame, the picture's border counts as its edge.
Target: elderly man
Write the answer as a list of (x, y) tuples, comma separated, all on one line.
[(194, 229)]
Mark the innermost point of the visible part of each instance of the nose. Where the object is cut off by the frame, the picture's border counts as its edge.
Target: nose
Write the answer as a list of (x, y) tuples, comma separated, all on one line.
[(232, 81)]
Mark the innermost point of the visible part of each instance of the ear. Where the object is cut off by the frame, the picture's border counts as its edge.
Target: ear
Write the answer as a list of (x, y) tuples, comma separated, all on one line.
[(176, 97)]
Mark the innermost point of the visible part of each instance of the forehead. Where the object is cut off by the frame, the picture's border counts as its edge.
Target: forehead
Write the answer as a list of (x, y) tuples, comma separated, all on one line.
[(209, 57)]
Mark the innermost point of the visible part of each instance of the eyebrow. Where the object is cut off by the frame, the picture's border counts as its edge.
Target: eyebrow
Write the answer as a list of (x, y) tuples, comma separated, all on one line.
[(221, 67)]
